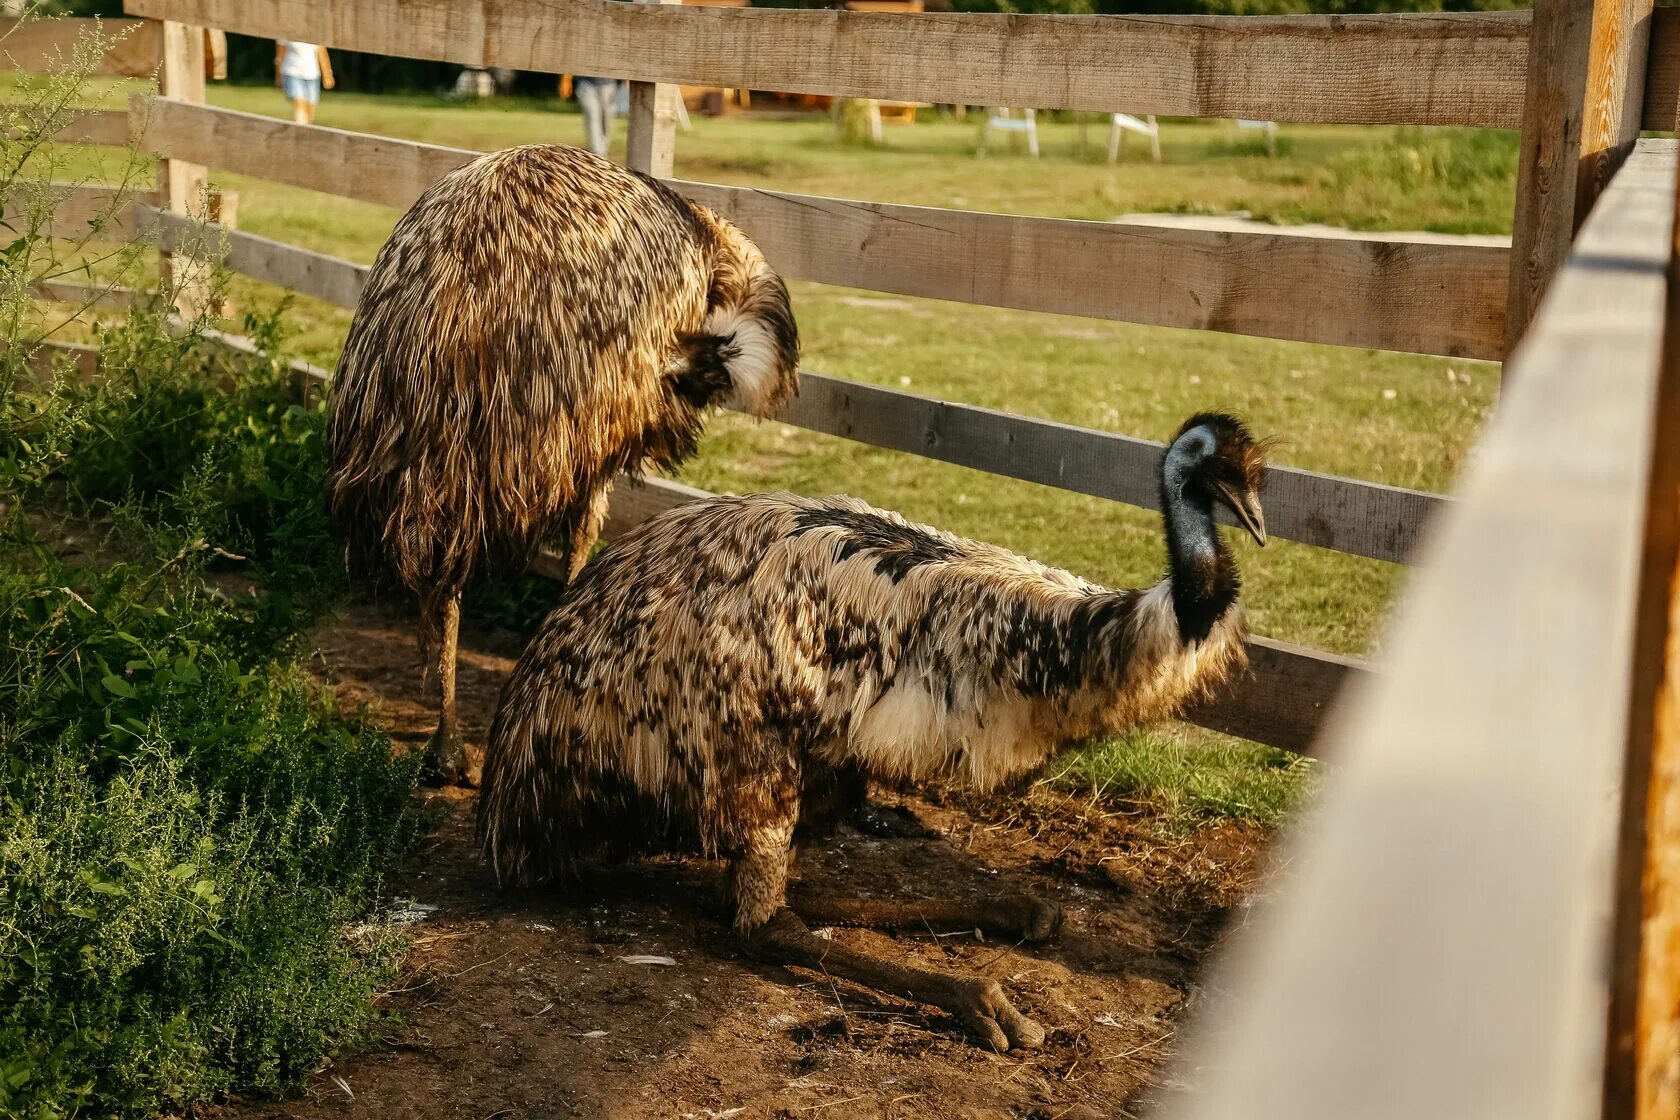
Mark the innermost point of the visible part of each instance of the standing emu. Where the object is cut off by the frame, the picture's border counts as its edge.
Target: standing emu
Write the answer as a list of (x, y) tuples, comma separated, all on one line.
[(743, 665), (539, 321)]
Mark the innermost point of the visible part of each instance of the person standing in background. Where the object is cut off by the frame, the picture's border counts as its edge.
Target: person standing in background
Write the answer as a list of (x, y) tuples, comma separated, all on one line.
[(302, 70), (598, 98)]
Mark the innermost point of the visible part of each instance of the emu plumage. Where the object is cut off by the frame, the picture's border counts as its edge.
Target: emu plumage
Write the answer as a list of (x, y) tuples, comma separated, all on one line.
[(539, 321), (741, 666)]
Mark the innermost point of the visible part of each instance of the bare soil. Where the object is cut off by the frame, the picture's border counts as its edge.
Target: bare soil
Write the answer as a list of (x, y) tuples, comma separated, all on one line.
[(516, 1005)]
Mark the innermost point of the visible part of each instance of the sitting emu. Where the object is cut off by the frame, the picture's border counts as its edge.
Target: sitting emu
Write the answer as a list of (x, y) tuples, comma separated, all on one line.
[(742, 665), (539, 320)]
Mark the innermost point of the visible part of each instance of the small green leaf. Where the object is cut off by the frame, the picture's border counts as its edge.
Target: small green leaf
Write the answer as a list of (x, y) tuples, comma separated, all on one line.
[(116, 686)]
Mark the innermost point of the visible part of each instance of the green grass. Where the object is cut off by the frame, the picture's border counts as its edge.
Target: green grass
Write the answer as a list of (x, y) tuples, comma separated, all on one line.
[(1404, 420)]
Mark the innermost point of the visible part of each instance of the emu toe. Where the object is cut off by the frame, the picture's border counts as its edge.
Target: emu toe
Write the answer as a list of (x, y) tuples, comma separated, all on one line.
[(447, 763), (991, 1020)]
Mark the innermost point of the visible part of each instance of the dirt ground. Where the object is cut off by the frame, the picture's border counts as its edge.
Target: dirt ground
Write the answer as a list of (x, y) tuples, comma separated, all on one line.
[(544, 1004)]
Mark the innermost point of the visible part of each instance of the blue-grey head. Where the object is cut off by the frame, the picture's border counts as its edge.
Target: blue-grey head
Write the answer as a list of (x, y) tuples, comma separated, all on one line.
[(1214, 458)]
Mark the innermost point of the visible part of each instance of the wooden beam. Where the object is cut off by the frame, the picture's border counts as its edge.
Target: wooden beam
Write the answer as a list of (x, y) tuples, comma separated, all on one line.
[(1461, 69), (1348, 515), (1438, 941), (183, 187), (328, 278), (347, 164), (94, 126), (1643, 1081), (1662, 71), (651, 142), (43, 45), (80, 211), (1280, 701), (1586, 82), (1381, 292)]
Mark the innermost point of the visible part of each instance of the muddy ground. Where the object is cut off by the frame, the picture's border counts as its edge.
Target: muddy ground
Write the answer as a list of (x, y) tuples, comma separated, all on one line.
[(523, 1005)]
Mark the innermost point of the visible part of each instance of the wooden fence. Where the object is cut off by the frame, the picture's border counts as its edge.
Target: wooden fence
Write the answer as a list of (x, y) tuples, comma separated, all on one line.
[(1502, 789)]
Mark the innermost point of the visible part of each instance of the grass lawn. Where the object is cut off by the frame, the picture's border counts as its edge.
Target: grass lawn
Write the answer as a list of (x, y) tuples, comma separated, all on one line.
[(1399, 419)]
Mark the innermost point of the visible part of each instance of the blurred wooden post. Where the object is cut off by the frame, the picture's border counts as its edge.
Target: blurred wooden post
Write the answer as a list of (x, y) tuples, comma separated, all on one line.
[(1642, 1074), (1586, 85), (652, 141), (183, 187)]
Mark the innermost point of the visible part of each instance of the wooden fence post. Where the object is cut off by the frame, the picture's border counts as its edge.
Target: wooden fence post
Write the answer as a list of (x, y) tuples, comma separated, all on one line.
[(652, 140), (183, 187), (1642, 1068), (1586, 85)]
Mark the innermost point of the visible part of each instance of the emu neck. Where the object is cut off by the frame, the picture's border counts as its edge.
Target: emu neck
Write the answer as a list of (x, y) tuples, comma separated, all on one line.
[(1204, 577)]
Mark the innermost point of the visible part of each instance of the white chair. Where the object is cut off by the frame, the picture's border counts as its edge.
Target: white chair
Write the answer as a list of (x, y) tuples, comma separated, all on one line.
[(1122, 123), (1003, 121), (1270, 128)]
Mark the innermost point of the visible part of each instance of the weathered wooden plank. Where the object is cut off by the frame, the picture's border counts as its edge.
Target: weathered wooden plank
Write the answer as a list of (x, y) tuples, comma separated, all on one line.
[(314, 274), (1380, 292), (80, 211), (40, 45), (1586, 78), (1439, 940), (104, 296), (1662, 71), (94, 126), (1284, 697), (1362, 518), (651, 136), (1643, 1079), (348, 164), (1380, 69), (1280, 701)]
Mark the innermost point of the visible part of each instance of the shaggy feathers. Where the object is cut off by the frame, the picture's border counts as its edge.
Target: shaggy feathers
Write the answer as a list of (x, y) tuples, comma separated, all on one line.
[(539, 320), (744, 663)]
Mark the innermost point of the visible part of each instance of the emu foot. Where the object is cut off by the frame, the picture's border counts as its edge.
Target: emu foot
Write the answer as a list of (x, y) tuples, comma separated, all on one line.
[(978, 1004), (889, 822), (446, 762), (1017, 916)]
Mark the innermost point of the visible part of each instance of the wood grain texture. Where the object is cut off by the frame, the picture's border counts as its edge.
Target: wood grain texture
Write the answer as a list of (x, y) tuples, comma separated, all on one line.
[(1381, 69), (40, 45), (325, 277), (347, 164), (1383, 292), (1586, 82), (80, 212), (1281, 701), (650, 144), (1438, 939), (1611, 113), (95, 126), (1662, 71), (1643, 1054), (1362, 518)]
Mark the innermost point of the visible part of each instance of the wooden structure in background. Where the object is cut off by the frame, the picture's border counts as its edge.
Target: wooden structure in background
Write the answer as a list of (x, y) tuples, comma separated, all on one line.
[(1502, 812)]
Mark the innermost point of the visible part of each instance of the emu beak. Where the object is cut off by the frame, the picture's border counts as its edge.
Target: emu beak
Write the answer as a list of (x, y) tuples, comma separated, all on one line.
[(1247, 508)]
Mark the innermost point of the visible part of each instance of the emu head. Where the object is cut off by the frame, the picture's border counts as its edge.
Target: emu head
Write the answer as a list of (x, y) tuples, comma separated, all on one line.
[(1215, 458)]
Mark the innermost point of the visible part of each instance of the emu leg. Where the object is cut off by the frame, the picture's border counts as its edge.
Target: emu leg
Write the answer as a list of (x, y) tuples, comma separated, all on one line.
[(446, 754), (1012, 915), (580, 541), (979, 1004)]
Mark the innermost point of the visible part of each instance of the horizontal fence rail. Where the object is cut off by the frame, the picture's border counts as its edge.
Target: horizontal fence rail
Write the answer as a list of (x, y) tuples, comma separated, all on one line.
[(1439, 941), (1343, 514), (1381, 292), (1380, 69), (37, 45)]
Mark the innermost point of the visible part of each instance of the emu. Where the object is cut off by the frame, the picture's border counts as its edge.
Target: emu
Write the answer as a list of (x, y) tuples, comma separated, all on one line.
[(740, 667), (539, 321)]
